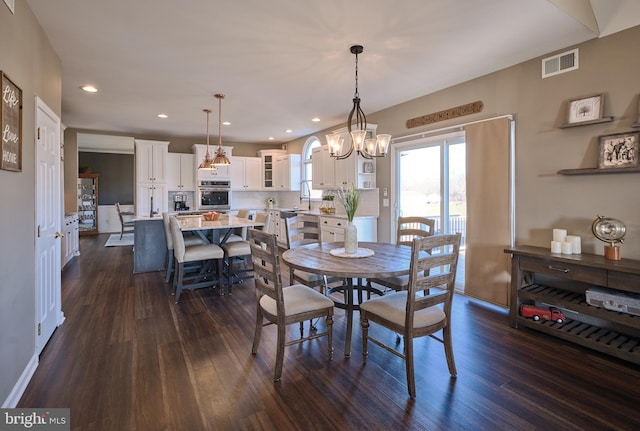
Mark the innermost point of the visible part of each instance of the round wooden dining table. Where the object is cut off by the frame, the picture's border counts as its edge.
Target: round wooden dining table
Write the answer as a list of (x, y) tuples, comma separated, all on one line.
[(387, 260)]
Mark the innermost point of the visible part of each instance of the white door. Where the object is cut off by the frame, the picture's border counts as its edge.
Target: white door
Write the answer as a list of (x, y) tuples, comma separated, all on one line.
[(48, 224)]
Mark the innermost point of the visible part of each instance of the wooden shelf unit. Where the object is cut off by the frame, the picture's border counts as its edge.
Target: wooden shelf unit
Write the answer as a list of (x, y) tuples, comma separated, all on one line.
[(549, 279)]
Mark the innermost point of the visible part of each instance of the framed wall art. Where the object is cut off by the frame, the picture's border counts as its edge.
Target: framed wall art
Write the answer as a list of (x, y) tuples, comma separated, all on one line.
[(585, 109), (619, 150), (11, 125)]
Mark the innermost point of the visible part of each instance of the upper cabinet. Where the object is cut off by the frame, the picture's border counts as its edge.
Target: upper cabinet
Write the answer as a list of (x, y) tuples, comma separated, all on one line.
[(223, 172), (323, 168), (151, 161), (246, 173), (268, 167), (180, 172), (331, 173), (288, 172)]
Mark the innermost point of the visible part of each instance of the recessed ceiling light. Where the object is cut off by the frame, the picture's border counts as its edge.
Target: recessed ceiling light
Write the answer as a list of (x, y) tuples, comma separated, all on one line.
[(315, 119), (226, 123), (89, 88), (288, 131), (163, 116), (271, 138)]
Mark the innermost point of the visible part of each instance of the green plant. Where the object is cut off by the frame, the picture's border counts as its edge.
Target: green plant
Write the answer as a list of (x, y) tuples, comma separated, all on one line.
[(350, 199)]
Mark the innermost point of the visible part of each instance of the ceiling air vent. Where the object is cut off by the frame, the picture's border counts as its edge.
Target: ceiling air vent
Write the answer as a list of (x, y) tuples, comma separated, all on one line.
[(560, 63)]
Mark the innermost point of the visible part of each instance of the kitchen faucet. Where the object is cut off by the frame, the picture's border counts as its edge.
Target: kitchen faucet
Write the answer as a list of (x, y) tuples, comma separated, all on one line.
[(302, 183)]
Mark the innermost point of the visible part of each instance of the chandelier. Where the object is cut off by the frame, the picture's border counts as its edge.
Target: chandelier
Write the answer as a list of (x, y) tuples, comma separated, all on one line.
[(367, 148), (220, 156)]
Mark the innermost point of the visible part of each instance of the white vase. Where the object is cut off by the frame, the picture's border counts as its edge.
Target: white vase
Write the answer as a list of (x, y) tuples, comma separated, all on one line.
[(351, 239)]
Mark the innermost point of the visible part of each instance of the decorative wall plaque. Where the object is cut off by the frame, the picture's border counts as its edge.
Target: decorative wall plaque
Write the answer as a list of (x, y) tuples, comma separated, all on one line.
[(447, 114), (11, 125)]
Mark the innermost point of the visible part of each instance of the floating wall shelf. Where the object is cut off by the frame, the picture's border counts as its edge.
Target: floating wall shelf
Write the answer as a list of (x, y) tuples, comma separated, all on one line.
[(586, 123), (597, 171)]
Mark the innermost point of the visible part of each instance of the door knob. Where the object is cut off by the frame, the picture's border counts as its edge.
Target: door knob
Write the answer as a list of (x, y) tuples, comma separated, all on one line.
[(58, 235)]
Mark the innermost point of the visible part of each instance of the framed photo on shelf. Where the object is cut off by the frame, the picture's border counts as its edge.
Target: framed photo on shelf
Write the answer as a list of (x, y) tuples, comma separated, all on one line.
[(585, 109), (367, 167), (619, 150)]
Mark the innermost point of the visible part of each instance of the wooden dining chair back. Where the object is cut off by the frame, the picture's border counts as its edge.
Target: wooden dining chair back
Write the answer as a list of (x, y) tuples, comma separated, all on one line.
[(408, 229), (411, 312), (241, 251), (280, 305), (125, 225), (304, 229)]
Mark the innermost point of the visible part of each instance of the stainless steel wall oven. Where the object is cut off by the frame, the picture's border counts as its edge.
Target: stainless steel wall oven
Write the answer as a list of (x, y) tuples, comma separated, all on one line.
[(214, 195)]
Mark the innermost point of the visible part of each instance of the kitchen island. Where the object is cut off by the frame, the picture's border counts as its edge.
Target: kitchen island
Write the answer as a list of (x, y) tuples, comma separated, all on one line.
[(149, 244)]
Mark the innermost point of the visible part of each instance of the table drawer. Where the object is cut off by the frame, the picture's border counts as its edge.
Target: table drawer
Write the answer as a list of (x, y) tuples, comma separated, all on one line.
[(624, 281), (565, 270)]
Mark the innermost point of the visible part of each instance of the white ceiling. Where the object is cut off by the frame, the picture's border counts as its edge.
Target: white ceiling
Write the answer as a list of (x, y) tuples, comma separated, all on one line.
[(283, 62)]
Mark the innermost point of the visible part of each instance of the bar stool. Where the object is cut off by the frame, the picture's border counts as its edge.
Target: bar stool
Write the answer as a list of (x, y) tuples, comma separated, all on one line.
[(203, 254), (188, 241)]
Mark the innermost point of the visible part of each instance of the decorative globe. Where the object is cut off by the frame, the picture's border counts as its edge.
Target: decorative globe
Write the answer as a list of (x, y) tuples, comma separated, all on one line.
[(609, 230)]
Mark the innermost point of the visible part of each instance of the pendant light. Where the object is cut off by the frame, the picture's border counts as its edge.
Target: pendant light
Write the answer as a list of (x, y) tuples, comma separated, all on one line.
[(207, 162), (220, 156), (367, 148)]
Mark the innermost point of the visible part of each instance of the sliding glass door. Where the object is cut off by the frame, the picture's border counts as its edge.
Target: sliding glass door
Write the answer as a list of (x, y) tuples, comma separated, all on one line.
[(431, 182)]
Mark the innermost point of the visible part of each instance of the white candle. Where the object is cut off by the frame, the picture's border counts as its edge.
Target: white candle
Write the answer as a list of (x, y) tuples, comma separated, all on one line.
[(556, 247), (559, 235), (566, 248), (575, 243)]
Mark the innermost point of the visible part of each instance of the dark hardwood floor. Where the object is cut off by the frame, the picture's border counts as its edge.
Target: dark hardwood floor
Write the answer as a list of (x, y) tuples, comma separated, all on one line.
[(128, 358)]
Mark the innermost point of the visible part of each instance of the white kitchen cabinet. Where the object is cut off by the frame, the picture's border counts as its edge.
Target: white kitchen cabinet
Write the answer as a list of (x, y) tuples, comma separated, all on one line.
[(323, 168), (278, 226), (288, 172), (151, 160), (144, 193), (246, 173), (269, 173), (180, 172), (70, 242), (221, 173), (332, 228)]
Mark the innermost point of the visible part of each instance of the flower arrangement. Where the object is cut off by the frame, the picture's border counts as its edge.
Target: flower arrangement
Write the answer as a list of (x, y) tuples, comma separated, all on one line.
[(350, 199)]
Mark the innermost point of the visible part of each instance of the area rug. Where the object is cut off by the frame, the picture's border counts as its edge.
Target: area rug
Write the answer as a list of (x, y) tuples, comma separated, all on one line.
[(115, 241)]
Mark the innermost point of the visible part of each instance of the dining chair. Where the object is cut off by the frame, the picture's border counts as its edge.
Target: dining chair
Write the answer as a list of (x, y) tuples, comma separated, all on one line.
[(239, 234), (189, 240), (127, 225), (280, 305), (240, 250), (412, 312), (408, 229), (305, 229), (200, 253)]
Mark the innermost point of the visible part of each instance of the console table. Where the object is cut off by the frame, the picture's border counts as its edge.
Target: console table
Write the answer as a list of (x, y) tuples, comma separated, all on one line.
[(550, 279)]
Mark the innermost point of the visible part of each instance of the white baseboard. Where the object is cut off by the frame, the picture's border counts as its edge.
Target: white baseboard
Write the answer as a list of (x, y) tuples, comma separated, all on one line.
[(21, 384)]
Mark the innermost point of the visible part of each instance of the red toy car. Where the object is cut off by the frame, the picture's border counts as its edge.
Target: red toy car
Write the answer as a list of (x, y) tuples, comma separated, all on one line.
[(537, 313)]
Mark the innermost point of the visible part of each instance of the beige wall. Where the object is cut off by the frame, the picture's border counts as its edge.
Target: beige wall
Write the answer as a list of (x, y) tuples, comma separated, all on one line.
[(545, 200), (28, 59)]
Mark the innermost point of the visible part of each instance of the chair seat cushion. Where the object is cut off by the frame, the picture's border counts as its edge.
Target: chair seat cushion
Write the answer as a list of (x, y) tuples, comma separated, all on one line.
[(203, 252), (233, 238), (399, 282), (308, 277), (393, 307), (193, 240), (237, 248), (297, 299)]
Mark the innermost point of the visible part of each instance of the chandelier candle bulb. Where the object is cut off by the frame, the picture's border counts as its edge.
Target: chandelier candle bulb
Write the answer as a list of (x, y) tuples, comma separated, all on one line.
[(576, 245), (566, 248), (559, 235), (556, 247)]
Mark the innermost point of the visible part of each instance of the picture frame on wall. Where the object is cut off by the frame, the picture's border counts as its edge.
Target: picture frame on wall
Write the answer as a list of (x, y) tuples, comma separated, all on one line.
[(11, 125), (619, 150), (585, 109)]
